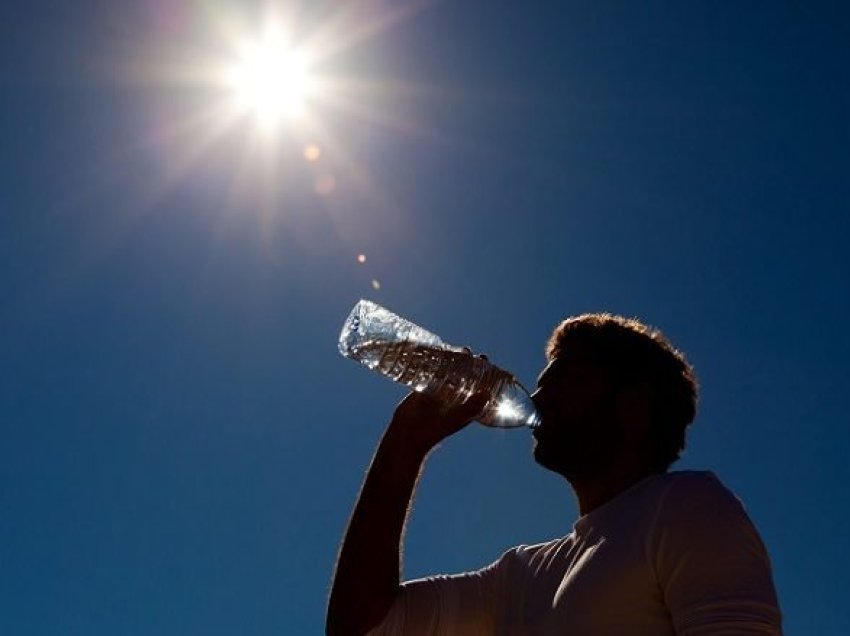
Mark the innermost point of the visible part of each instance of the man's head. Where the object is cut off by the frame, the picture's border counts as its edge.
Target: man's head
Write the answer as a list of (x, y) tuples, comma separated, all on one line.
[(612, 383)]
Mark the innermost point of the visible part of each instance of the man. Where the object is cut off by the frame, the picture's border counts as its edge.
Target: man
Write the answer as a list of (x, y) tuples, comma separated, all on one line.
[(652, 553)]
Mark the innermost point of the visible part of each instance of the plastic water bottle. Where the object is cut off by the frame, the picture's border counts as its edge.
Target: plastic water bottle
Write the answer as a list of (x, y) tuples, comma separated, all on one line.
[(411, 355)]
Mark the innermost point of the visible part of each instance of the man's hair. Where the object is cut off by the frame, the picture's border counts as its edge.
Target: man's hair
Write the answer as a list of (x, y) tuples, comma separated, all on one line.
[(631, 353)]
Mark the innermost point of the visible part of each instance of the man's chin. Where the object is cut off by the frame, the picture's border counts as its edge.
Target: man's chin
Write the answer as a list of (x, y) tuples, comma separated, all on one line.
[(557, 464), (543, 458)]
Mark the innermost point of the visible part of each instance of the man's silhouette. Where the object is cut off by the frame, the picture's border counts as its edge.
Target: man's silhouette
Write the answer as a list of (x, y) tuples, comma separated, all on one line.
[(652, 553)]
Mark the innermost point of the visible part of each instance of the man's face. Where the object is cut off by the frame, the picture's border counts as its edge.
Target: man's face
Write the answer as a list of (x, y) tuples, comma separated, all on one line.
[(578, 427)]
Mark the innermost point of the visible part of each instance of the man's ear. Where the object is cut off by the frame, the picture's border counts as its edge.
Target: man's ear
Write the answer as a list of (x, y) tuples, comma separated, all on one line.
[(633, 406)]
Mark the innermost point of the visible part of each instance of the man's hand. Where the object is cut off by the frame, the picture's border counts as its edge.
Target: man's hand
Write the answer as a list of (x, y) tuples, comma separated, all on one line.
[(420, 422)]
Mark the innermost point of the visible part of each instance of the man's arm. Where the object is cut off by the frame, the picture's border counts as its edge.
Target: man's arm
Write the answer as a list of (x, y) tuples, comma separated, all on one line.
[(367, 575)]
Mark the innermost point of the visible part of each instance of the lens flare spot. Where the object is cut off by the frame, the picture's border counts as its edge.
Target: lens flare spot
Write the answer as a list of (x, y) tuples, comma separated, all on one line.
[(361, 258), (312, 152), (376, 285)]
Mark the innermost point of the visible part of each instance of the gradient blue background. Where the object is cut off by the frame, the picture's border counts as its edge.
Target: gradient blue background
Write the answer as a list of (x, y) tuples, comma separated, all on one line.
[(180, 443)]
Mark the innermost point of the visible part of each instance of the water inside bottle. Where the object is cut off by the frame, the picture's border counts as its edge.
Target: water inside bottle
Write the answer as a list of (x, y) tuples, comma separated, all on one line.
[(449, 375)]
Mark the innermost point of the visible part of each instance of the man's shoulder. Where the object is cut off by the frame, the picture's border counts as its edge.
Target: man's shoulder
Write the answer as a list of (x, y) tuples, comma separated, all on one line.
[(658, 488), (689, 491), (525, 554), (689, 482), (697, 477)]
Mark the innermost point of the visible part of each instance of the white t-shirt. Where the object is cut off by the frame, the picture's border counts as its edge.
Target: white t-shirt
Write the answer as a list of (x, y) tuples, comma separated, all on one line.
[(674, 554)]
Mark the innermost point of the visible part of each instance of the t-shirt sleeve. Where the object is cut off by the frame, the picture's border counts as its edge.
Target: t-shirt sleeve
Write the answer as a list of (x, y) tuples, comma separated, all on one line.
[(448, 605), (711, 564)]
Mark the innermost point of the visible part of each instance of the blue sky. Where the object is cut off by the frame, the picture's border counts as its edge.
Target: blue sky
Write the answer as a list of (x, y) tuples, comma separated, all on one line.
[(180, 443)]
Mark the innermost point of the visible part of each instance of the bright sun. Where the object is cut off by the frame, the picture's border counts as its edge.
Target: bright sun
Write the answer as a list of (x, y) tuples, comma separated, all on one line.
[(271, 79), (271, 89)]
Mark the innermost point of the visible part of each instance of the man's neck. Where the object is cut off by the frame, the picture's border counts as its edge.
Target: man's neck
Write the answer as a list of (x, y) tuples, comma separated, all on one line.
[(597, 490)]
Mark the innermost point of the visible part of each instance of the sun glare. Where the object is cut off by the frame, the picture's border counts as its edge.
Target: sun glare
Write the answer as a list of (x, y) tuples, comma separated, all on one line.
[(249, 93), (506, 409), (271, 80)]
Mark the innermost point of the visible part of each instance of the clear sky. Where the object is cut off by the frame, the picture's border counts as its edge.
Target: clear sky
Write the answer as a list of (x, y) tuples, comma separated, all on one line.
[(181, 444)]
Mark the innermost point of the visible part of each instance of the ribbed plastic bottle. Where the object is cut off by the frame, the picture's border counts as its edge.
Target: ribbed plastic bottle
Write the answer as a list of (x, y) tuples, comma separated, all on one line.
[(411, 355)]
